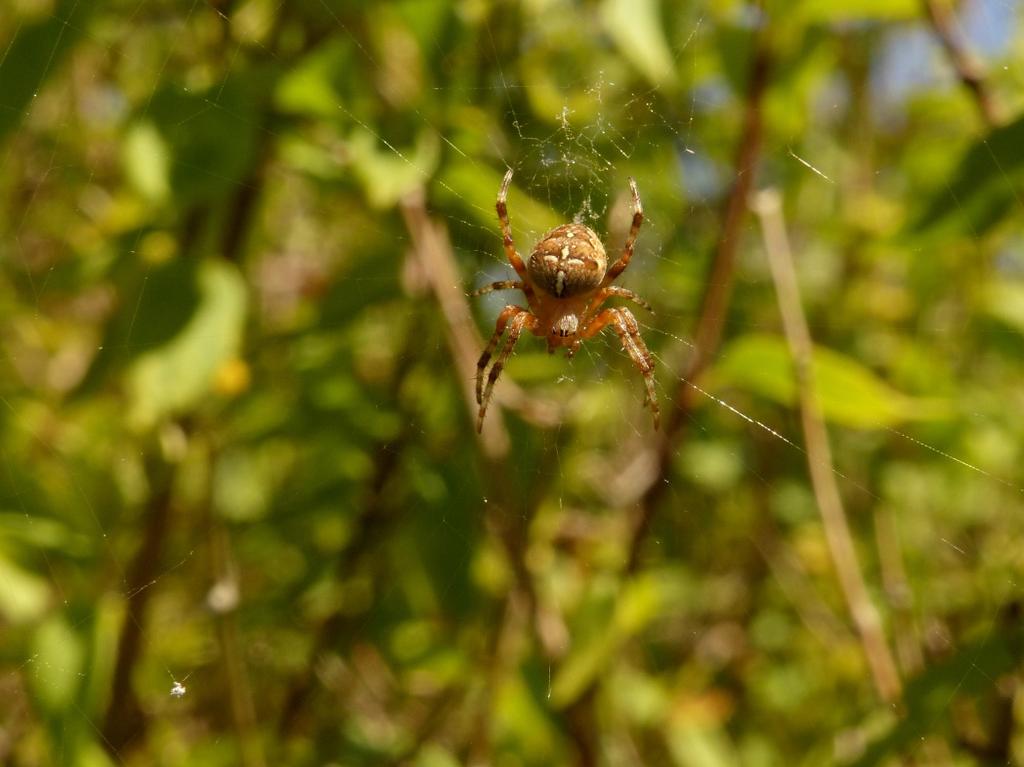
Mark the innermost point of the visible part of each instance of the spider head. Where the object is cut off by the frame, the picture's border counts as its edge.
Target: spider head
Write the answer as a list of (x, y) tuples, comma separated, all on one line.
[(563, 331), (569, 260)]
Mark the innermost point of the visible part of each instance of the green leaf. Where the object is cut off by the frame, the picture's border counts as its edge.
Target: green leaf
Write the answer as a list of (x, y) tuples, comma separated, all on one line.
[(929, 698), (147, 161), (830, 11), (987, 185), (1005, 302), (638, 605), (90, 753), (388, 175), (435, 756), (43, 533), (155, 306), (57, 659), (244, 480), (849, 393), (465, 181), (695, 744), (24, 596), (34, 54), (210, 135), (636, 28), (520, 724), (177, 375), (313, 86), (582, 667)]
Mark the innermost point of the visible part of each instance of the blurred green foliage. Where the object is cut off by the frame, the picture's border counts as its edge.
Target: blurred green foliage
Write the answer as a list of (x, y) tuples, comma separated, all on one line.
[(236, 450)]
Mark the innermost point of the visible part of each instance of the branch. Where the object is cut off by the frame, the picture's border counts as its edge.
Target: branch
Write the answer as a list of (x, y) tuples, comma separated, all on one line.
[(437, 261), (966, 65), (507, 519), (373, 522), (125, 721), (865, 617), (717, 294), (437, 264), (223, 601)]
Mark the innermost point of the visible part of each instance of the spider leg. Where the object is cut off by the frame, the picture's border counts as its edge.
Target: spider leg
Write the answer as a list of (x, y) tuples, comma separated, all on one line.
[(518, 322), (625, 324), (499, 328), (506, 228), (500, 285), (614, 290), (627, 250)]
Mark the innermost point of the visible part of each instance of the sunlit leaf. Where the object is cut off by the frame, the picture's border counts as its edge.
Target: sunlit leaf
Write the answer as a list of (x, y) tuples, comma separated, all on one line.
[(177, 375), (436, 756), (42, 533), (521, 725), (312, 86), (244, 480), (635, 26), (634, 610), (24, 595), (386, 175), (36, 53), (91, 753), (469, 182), (853, 10), (310, 158), (59, 656), (987, 185), (848, 392), (582, 667), (210, 135), (147, 161), (425, 19), (1005, 301), (694, 745), (971, 670)]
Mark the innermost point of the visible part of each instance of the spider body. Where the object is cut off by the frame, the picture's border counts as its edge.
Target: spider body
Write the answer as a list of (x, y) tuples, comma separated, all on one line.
[(568, 260), (566, 266), (565, 281)]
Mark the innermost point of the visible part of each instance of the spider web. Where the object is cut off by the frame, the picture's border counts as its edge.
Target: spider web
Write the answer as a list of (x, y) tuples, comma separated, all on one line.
[(573, 162)]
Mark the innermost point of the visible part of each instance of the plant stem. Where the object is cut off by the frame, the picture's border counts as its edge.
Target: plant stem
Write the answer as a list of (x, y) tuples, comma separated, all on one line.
[(966, 65), (768, 207), (717, 293)]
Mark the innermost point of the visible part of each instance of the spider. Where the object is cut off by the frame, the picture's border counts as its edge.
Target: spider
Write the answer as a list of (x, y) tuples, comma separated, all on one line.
[(565, 281)]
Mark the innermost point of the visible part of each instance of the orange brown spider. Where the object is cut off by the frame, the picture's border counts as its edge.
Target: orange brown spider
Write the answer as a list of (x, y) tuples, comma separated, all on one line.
[(565, 281)]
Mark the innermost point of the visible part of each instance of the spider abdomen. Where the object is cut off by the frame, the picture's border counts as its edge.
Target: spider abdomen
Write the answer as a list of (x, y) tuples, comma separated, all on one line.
[(569, 260)]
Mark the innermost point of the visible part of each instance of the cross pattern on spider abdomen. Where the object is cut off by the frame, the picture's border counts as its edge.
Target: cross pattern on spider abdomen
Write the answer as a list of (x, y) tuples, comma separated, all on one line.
[(568, 260), (565, 282)]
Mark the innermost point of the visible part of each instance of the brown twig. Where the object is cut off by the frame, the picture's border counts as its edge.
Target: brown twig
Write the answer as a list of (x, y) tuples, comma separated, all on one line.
[(125, 721), (865, 617), (508, 518), (966, 65), (714, 307), (223, 600), (906, 637), (374, 519), (717, 293), (438, 266), (897, 593), (437, 261)]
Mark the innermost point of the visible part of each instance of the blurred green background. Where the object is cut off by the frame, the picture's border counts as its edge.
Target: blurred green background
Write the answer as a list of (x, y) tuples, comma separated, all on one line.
[(245, 518)]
